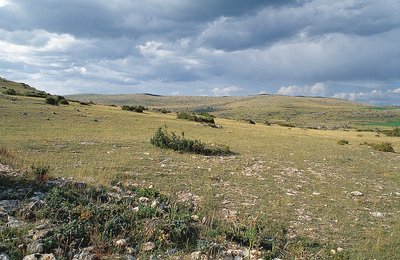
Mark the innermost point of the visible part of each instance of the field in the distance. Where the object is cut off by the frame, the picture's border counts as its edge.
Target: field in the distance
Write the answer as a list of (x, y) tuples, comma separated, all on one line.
[(312, 112), (300, 178)]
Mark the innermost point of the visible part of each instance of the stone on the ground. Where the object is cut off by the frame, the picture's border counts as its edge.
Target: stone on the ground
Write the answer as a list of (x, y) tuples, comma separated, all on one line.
[(356, 193), (148, 246), (4, 256), (35, 247)]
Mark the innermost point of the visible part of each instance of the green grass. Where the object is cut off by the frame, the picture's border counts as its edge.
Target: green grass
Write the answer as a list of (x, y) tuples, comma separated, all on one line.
[(296, 178)]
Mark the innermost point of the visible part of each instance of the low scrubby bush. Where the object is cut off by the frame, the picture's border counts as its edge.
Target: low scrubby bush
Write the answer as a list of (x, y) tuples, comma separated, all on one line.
[(200, 117), (51, 101), (394, 132), (162, 110), (10, 91), (163, 139), (342, 142), (383, 147), (137, 109), (56, 100)]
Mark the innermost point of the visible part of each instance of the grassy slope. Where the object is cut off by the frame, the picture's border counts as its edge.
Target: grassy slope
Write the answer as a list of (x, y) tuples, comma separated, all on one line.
[(298, 177), (300, 111)]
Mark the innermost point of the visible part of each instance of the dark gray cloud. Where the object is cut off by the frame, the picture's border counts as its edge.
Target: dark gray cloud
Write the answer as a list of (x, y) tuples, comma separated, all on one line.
[(344, 48)]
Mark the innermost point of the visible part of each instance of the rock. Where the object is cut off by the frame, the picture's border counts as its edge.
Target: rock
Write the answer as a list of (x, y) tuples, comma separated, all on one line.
[(195, 218), (85, 254), (148, 246), (195, 255), (14, 223), (154, 204), (28, 210), (9, 205), (129, 257), (236, 252), (3, 215), (121, 243), (356, 193), (143, 199), (135, 209), (41, 234), (4, 256), (339, 249), (35, 247), (378, 214), (40, 257)]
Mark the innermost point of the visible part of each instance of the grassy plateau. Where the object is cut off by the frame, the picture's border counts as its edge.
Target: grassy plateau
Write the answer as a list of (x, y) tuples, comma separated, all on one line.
[(301, 178)]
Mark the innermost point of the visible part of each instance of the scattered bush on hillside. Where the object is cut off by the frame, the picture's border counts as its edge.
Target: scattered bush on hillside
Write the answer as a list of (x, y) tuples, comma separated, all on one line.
[(199, 117), (342, 142), (37, 93), (10, 91), (382, 147), (285, 124), (165, 140), (162, 110), (137, 109), (394, 132), (56, 100), (51, 101)]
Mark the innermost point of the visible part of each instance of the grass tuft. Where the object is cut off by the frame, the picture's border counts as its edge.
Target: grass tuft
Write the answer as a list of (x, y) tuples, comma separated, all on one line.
[(165, 140)]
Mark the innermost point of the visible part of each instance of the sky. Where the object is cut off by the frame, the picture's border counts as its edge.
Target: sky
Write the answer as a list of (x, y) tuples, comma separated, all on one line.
[(344, 49)]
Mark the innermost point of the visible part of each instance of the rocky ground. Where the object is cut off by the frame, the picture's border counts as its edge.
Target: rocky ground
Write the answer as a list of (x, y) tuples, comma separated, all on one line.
[(29, 230)]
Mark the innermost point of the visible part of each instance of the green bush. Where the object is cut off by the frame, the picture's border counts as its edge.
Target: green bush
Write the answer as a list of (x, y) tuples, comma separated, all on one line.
[(201, 117), (51, 101), (10, 91), (137, 109), (394, 132), (165, 140), (56, 100), (62, 101), (384, 147), (36, 93), (342, 142)]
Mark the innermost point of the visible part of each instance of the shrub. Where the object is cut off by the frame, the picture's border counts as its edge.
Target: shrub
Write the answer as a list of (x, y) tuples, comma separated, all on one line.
[(137, 109), (342, 142), (63, 102), (39, 94), (201, 117), (51, 101), (394, 132), (285, 124), (56, 100), (383, 147), (165, 140), (41, 173), (10, 91), (162, 110)]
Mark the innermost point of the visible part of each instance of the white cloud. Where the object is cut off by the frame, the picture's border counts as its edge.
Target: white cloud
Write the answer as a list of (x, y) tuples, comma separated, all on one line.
[(226, 91), (375, 96), (4, 3), (318, 89)]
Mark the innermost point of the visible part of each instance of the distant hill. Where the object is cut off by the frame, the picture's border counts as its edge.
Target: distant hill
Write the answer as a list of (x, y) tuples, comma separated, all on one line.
[(20, 89), (312, 112)]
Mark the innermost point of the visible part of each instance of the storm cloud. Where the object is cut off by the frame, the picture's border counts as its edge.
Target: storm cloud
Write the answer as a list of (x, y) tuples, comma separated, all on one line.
[(347, 49)]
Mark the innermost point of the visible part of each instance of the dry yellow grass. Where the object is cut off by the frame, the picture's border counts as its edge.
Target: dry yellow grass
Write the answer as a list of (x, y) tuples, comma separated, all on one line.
[(299, 177)]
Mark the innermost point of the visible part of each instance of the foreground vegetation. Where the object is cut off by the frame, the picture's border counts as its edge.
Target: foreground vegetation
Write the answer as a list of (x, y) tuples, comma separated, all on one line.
[(310, 192)]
